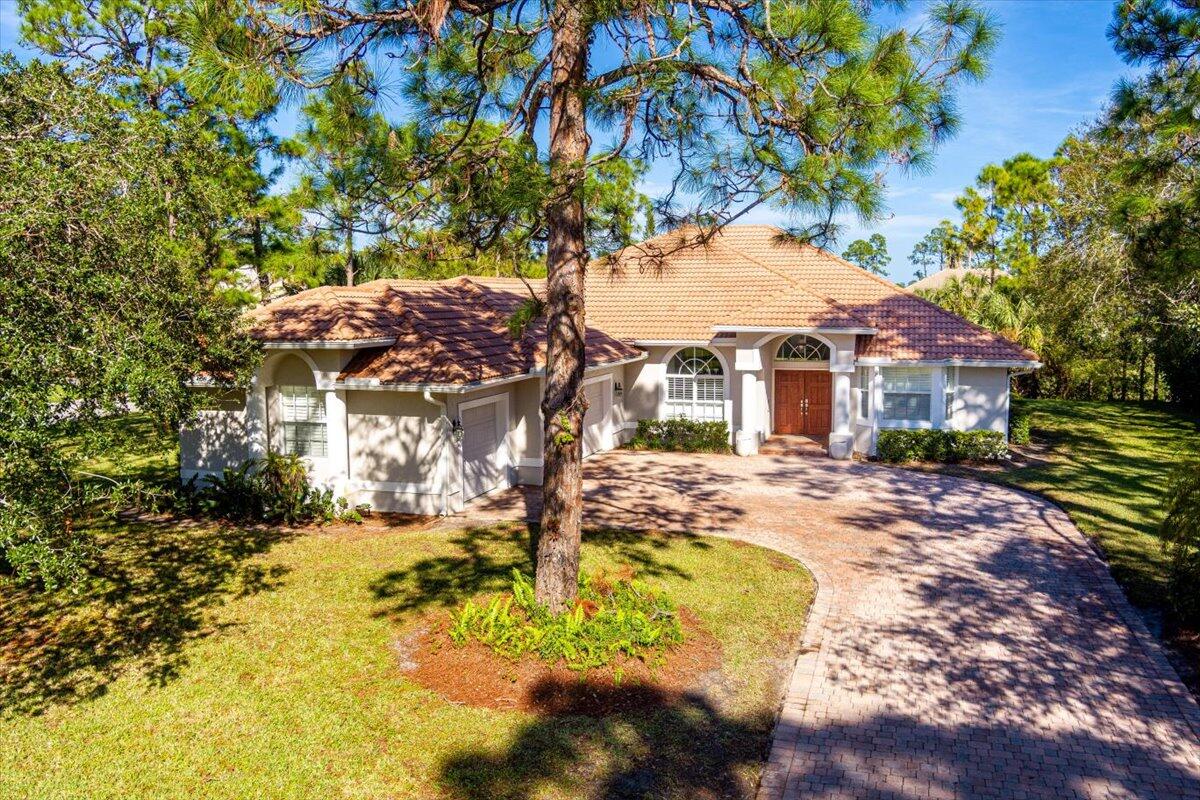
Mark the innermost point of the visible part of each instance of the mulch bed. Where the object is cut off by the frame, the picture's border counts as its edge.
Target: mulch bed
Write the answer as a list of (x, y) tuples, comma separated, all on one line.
[(474, 675)]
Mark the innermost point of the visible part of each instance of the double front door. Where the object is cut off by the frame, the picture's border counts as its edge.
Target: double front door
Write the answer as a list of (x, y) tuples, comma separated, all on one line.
[(803, 402)]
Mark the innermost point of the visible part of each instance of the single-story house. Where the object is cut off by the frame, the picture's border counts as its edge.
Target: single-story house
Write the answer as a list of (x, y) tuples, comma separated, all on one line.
[(414, 395)]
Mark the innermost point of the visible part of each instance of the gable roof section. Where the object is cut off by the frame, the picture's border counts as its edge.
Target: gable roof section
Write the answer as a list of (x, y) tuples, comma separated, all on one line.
[(439, 332), (755, 275)]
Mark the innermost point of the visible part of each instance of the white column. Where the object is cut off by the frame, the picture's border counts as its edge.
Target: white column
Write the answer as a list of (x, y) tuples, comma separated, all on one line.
[(937, 400), (338, 442), (748, 363), (841, 438), (256, 420)]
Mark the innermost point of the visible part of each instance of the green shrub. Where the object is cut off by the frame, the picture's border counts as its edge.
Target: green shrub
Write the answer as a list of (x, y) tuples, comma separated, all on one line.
[(275, 489), (610, 618), (949, 447), (1019, 424), (1181, 540), (684, 435)]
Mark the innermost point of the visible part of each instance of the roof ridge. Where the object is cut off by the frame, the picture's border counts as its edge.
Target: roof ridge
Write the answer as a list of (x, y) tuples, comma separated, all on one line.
[(469, 285), (795, 285)]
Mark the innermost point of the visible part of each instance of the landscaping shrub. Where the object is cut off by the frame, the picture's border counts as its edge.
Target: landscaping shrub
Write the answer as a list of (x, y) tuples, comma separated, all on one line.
[(611, 617), (1181, 539), (949, 447), (275, 489), (684, 435), (1019, 424)]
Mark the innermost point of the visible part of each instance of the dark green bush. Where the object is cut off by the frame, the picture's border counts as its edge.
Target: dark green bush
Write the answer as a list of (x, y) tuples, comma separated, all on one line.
[(1181, 540), (684, 435), (1019, 424), (611, 617), (275, 489), (949, 447)]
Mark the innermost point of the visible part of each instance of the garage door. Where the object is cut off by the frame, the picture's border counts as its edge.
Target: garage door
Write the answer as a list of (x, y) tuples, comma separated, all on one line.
[(480, 447), (595, 421)]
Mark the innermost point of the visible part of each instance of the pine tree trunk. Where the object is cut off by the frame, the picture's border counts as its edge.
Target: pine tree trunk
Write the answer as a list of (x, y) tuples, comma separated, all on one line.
[(264, 281), (563, 404), (1142, 375), (349, 257)]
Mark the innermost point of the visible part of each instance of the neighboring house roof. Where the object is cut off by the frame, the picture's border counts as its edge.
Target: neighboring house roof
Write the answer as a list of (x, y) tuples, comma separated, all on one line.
[(939, 279), (671, 288), (437, 332)]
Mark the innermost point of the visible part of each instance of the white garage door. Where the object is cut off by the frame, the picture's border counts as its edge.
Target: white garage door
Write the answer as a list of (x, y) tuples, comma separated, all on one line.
[(481, 450), (595, 421)]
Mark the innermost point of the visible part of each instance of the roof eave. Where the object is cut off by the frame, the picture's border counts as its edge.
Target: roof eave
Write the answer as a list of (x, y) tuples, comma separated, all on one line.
[(328, 344), (1013, 363), (790, 330)]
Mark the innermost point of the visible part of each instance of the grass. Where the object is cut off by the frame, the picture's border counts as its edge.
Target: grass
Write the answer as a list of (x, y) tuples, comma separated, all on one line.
[(228, 662)]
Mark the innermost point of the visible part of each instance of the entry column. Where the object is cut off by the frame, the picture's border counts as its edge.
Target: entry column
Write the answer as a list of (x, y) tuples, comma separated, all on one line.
[(748, 365)]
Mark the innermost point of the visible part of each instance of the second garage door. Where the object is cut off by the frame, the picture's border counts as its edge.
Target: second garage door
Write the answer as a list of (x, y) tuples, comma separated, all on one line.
[(595, 421), (481, 450)]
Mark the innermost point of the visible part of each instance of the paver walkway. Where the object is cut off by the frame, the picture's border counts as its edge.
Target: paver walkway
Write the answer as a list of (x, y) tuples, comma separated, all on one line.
[(965, 642)]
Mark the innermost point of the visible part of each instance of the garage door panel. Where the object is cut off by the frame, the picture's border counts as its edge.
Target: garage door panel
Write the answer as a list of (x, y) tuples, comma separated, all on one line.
[(481, 449), (595, 421)]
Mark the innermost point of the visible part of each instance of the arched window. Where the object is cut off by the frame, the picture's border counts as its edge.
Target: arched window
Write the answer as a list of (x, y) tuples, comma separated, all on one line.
[(695, 385), (802, 348)]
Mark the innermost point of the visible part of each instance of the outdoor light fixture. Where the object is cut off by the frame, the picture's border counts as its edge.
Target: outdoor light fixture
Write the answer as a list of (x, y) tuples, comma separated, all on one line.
[(456, 429), (618, 389)]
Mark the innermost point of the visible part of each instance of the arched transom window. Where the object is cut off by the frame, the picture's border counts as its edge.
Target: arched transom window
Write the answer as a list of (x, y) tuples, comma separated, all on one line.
[(802, 348), (695, 385)]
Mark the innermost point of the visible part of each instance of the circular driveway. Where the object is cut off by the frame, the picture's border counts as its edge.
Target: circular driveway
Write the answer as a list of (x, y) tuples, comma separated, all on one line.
[(965, 642)]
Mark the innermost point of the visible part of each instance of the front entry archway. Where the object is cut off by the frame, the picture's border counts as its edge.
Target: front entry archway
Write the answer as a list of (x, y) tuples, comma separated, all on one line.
[(803, 402)]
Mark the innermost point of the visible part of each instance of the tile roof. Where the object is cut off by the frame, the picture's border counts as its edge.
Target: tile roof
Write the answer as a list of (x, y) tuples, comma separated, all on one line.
[(673, 288), (442, 332)]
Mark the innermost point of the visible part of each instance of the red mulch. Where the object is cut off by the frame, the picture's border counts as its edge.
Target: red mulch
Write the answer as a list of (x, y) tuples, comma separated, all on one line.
[(474, 675)]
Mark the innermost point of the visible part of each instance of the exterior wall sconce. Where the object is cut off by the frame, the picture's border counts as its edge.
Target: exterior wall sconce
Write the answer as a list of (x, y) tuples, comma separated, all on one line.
[(618, 389), (456, 430)]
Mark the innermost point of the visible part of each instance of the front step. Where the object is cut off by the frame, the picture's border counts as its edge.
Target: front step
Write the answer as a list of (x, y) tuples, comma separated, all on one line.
[(790, 445)]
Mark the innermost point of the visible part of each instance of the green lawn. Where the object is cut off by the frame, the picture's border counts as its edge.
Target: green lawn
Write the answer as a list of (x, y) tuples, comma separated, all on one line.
[(230, 662), (1107, 465)]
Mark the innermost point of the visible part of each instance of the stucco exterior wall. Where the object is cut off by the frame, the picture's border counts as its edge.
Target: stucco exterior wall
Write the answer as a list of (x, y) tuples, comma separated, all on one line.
[(216, 438), (983, 399)]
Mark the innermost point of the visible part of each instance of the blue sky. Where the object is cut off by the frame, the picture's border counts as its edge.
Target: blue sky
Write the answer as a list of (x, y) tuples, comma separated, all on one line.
[(1052, 72)]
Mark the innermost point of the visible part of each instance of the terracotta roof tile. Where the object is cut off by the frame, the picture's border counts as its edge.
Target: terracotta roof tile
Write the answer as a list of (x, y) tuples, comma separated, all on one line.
[(672, 288), (444, 332)]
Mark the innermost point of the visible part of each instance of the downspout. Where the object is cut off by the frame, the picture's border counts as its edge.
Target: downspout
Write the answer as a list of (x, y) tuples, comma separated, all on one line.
[(443, 455)]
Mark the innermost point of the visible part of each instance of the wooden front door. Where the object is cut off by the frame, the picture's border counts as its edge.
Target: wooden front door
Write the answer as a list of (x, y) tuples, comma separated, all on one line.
[(803, 402)]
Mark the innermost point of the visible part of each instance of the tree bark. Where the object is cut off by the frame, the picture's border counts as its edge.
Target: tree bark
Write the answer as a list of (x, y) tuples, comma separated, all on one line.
[(563, 404), (349, 256)]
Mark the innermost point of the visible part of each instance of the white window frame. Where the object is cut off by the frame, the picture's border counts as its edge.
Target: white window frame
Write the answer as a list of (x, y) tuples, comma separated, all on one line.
[(862, 394), (950, 396), (810, 346), (308, 416), (889, 422), (702, 410)]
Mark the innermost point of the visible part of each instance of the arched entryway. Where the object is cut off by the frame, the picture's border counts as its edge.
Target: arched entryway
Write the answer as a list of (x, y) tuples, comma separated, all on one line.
[(803, 387)]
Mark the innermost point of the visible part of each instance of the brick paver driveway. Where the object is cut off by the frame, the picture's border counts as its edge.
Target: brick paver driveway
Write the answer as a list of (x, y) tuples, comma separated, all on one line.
[(965, 642)]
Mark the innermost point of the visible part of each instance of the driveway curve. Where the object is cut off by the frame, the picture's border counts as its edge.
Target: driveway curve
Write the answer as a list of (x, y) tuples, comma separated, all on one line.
[(966, 641)]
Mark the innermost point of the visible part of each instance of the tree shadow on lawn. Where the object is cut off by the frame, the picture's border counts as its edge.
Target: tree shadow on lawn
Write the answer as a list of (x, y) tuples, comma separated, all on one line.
[(144, 597), (485, 557), (675, 745)]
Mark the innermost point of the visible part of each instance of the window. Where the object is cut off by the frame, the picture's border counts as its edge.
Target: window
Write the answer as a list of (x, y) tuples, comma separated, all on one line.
[(951, 393), (864, 392), (906, 393), (303, 421), (802, 348), (695, 385)]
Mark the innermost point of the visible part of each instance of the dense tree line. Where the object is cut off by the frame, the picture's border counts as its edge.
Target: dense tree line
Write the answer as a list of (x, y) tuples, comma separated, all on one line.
[(1091, 257)]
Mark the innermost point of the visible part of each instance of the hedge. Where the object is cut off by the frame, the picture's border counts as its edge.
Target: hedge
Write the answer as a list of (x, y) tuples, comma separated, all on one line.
[(898, 446), (684, 435), (1019, 424)]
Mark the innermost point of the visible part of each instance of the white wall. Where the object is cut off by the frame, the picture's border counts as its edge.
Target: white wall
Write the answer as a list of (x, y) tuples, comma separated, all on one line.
[(216, 438), (983, 398)]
